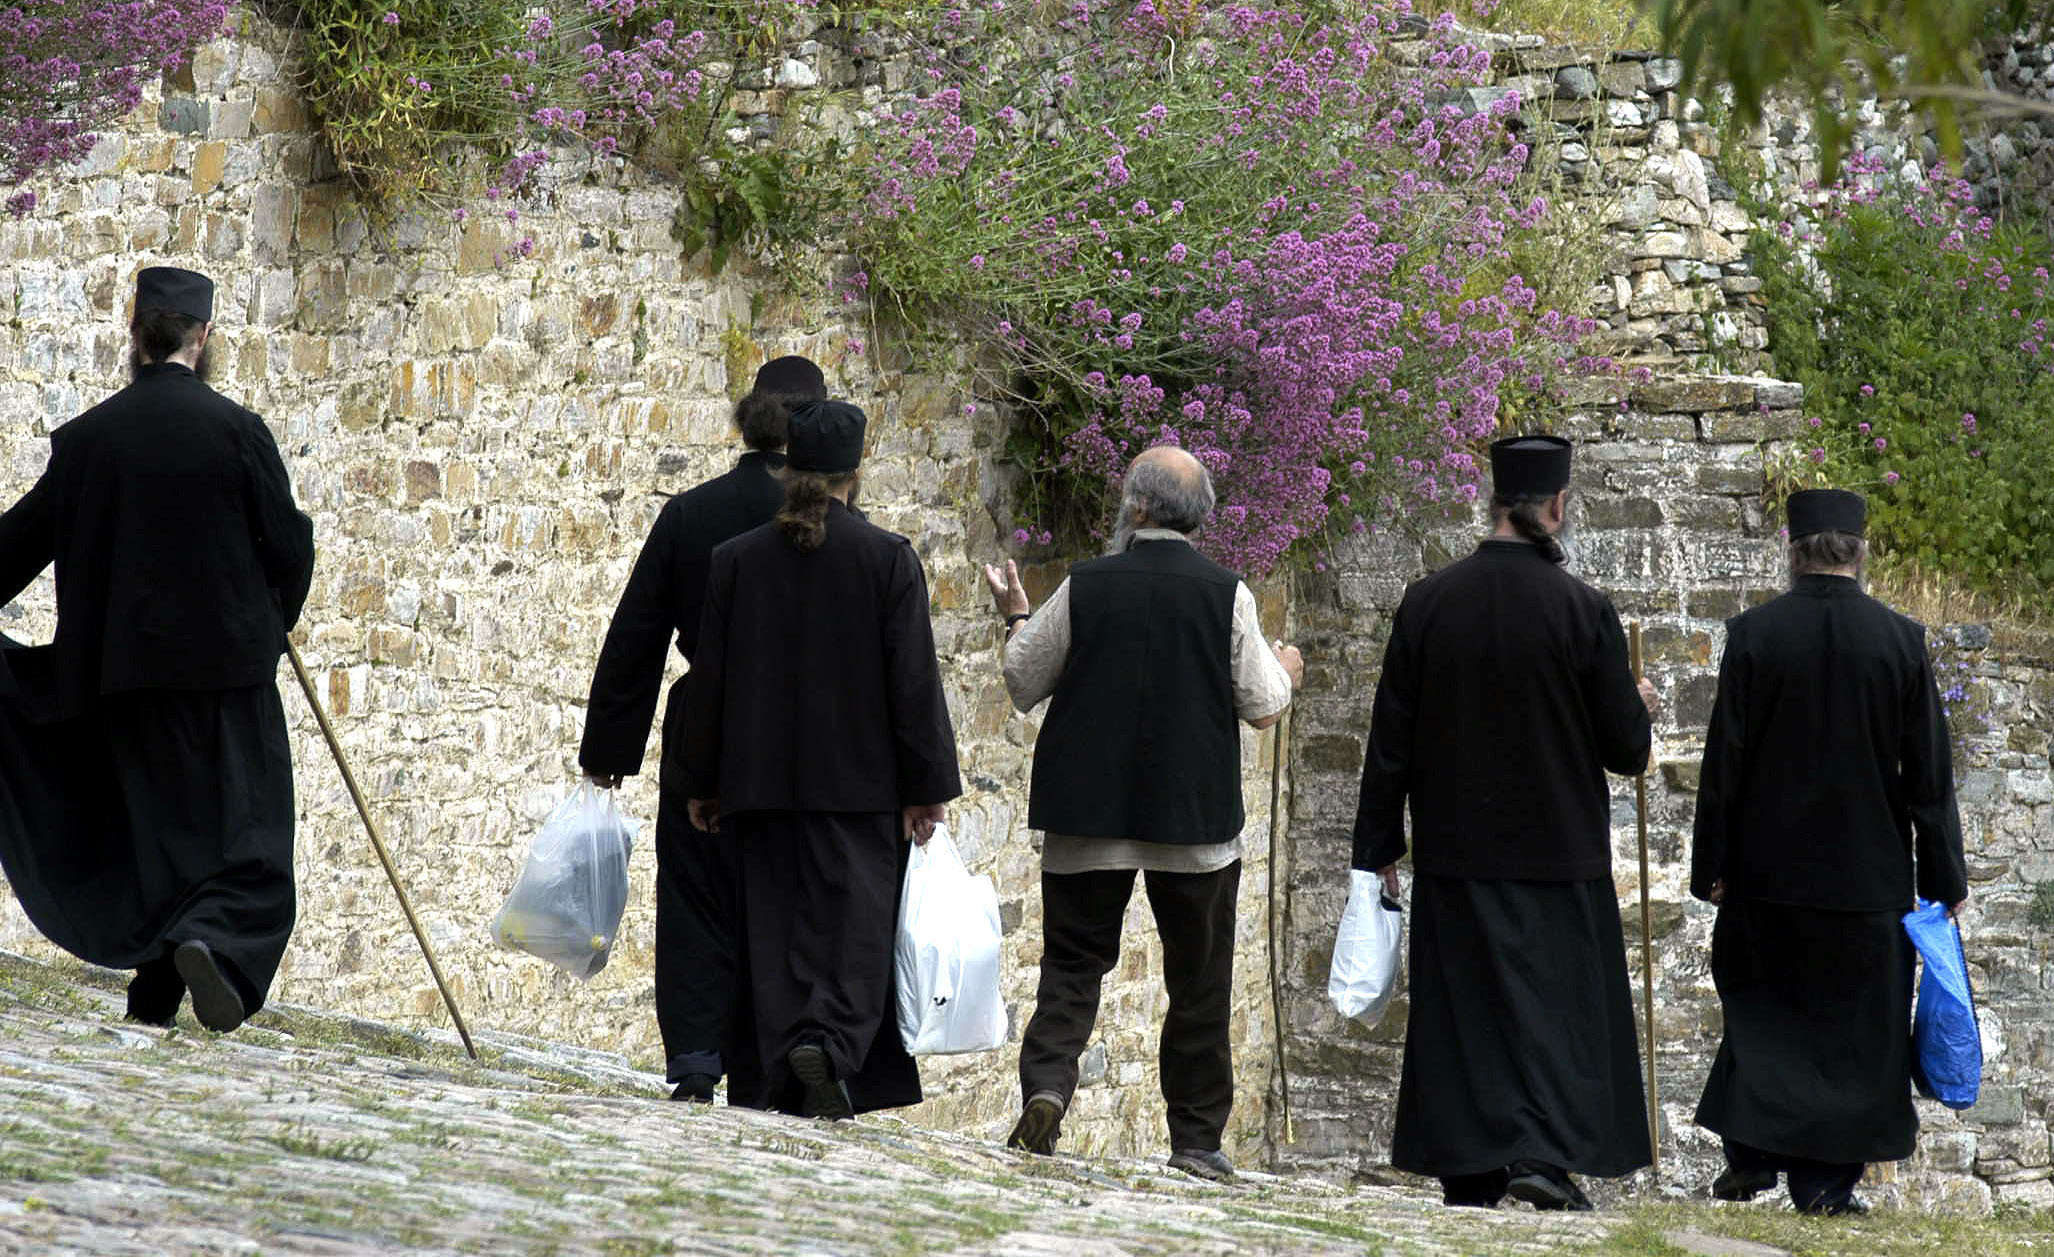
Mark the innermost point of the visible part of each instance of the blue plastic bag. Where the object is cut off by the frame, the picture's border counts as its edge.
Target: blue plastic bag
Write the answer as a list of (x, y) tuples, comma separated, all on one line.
[(1947, 1050)]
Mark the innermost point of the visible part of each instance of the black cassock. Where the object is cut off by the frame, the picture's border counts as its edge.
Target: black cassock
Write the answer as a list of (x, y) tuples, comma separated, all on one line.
[(145, 774), (814, 714), (697, 880), (1505, 697), (1827, 796)]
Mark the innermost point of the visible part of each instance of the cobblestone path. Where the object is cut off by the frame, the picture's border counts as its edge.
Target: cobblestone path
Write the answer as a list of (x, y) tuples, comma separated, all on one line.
[(313, 1133)]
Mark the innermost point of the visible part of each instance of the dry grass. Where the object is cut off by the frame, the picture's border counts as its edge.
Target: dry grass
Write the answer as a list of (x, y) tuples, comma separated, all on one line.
[(2016, 624), (1592, 23)]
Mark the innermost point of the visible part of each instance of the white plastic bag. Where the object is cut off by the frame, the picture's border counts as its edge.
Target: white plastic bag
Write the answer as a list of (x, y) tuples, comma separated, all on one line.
[(947, 957), (567, 906), (1372, 934)]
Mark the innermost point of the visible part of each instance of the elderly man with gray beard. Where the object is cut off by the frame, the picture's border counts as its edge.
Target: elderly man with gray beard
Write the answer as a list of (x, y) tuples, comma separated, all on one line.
[(1149, 656)]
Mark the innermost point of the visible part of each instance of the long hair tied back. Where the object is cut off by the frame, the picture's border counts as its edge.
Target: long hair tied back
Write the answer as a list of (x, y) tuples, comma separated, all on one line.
[(803, 517), (1524, 514)]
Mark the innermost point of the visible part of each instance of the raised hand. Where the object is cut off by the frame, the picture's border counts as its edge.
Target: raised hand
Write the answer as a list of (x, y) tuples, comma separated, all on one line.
[(1007, 593)]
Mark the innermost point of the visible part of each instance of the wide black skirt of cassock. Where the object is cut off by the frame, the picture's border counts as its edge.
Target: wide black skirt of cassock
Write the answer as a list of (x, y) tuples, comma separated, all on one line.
[(159, 816), (1520, 1043), (820, 906), (1816, 1059)]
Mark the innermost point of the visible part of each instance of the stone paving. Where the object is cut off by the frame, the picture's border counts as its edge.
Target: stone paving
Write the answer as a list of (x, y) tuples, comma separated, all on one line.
[(310, 1132)]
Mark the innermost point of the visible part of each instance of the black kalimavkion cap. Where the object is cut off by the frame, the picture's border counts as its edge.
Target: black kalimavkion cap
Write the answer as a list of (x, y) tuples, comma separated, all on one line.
[(1529, 466), (826, 438), (1814, 511), (791, 374), (180, 291)]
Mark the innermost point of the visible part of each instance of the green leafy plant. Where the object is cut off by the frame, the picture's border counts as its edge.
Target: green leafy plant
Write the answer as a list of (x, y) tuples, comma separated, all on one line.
[(1920, 329)]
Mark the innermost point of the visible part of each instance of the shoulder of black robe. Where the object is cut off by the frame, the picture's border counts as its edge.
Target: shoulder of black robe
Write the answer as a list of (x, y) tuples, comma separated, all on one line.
[(816, 698), (1843, 766), (664, 599), (1520, 699), (179, 550)]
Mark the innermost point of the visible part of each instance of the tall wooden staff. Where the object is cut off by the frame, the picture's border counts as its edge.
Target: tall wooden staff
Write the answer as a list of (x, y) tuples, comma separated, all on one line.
[(1647, 941), (1276, 982), (378, 844)]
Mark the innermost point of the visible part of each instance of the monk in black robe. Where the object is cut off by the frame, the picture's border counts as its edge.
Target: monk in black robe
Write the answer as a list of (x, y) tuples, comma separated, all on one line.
[(1505, 697), (1827, 796), (696, 879), (817, 739), (146, 806)]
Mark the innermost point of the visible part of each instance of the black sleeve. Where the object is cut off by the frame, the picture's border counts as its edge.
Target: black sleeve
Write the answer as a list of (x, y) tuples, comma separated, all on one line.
[(924, 739), (629, 678), (705, 708), (283, 534), (1927, 764), (28, 539), (1387, 761), (1719, 780), (1625, 733)]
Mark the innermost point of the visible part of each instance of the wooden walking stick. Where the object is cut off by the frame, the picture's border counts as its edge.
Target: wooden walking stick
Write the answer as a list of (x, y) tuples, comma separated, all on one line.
[(1647, 942), (1276, 982), (378, 844)]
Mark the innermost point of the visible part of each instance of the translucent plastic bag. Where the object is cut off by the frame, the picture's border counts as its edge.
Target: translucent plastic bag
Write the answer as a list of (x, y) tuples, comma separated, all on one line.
[(947, 957), (1947, 1049), (567, 906), (1364, 974)]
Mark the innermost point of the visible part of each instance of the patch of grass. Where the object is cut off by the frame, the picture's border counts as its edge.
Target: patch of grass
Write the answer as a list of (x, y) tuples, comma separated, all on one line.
[(1336, 1227), (1884, 1233), (302, 1142), (2041, 913)]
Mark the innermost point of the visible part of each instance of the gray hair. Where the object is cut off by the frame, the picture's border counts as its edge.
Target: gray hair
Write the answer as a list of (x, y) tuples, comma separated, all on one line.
[(1825, 551), (1168, 498)]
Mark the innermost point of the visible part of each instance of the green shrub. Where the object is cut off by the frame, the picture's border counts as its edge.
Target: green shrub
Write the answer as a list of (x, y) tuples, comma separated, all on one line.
[(1919, 328)]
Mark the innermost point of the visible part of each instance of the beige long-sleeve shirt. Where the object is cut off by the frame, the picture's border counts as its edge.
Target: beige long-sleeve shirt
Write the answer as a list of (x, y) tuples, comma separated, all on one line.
[(1034, 660)]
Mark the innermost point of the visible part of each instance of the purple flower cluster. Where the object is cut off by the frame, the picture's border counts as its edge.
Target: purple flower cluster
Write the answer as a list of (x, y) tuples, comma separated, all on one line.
[(69, 68), (1238, 229)]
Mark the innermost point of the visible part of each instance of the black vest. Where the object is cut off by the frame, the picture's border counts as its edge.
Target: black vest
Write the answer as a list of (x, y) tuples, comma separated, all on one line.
[(1141, 739)]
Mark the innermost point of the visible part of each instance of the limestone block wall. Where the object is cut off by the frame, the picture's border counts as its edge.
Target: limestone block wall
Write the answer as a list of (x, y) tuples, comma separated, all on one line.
[(1668, 520), (483, 444)]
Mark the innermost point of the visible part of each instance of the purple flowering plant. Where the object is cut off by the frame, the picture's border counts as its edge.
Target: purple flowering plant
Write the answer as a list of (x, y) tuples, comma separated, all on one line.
[(69, 68), (1919, 325), (1282, 238)]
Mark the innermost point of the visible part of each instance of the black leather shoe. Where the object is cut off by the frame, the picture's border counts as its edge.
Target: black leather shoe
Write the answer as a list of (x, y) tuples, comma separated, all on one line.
[(155, 993), (1852, 1207), (827, 1097), (1547, 1188), (697, 1088), (1040, 1125), (1741, 1186), (215, 1001), (1205, 1163)]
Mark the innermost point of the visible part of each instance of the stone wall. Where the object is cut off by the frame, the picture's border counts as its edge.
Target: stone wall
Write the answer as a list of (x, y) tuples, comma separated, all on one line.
[(1668, 521), (483, 445)]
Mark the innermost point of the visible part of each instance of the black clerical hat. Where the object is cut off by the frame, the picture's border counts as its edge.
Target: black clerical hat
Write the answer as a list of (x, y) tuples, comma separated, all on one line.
[(1529, 466), (1814, 511), (826, 437), (180, 291), (791, 374)]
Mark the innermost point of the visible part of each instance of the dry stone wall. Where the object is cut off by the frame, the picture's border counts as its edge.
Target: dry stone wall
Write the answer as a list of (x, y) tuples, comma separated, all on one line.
[(483, 445)]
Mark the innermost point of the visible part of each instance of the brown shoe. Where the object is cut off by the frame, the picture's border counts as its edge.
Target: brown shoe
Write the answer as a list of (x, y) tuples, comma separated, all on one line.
[(1040, 1124)]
